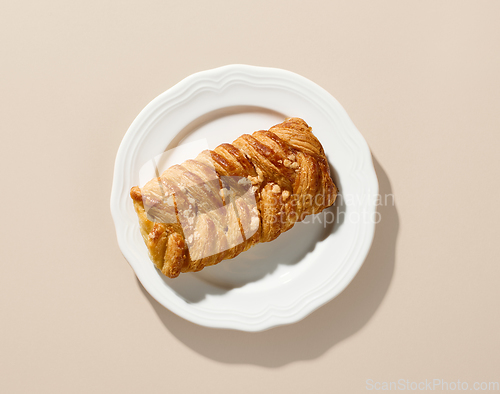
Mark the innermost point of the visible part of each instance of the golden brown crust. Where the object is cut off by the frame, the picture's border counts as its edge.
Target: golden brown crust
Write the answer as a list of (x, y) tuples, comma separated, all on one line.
[(223, 202)]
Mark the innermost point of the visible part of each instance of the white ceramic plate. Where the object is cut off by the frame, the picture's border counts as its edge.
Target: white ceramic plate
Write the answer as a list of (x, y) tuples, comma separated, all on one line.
[(272, 284)]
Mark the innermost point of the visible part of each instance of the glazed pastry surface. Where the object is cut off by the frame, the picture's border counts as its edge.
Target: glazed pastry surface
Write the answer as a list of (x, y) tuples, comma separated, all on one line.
[(224, 201)]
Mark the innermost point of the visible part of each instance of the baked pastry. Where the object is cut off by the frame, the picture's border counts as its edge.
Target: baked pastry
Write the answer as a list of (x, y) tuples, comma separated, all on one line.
[(223, 202)]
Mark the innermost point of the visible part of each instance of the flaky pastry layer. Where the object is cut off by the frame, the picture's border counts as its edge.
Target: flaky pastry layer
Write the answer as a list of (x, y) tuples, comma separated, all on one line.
[(223, 202)]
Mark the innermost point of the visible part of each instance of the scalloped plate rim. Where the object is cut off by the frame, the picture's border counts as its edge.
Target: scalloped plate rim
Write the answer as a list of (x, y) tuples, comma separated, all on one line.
[(271, 320)]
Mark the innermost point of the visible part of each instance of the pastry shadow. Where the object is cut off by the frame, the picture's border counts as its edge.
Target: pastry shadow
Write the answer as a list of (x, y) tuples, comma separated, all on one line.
[(321, 330)]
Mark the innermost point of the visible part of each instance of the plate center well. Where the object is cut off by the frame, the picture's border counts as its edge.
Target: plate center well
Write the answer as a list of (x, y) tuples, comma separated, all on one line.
[(268, 262)]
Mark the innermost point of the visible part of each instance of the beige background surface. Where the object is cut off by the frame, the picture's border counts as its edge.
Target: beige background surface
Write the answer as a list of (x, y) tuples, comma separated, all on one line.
[(420, 80)]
